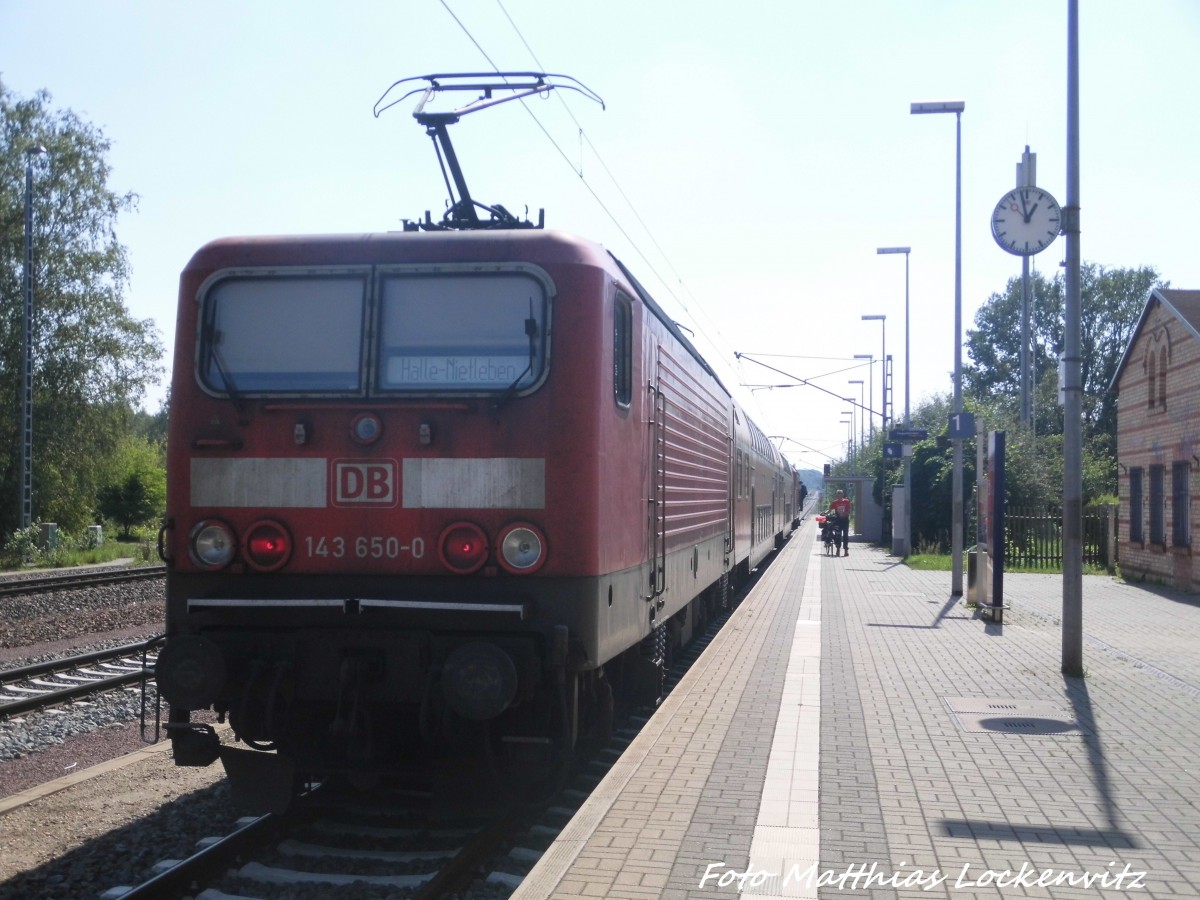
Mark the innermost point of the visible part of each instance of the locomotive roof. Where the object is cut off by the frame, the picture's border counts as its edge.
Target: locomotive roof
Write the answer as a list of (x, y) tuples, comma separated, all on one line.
[(382, 248)]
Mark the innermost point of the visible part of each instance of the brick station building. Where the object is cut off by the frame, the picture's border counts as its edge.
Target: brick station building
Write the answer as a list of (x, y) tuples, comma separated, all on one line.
[(1158, 441)]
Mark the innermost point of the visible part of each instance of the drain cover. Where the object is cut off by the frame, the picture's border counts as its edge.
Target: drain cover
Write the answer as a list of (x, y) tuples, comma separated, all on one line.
[(982, 715)]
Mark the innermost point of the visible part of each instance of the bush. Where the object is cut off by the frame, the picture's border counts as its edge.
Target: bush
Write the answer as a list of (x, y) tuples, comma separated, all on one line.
[(21, 548)]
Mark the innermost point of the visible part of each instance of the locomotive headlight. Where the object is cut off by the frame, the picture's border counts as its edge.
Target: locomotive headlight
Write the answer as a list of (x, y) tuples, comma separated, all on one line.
[(522, 548), (267, 545), (463, 547), (212, 544), (366, 428)]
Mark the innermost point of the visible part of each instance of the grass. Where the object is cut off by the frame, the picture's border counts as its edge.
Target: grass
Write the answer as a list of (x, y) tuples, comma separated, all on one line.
[(930, 562), (943, 562), (141, 552)]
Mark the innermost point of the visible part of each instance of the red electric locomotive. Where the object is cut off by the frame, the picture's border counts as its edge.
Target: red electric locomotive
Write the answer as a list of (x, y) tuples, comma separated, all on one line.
[(436, 486)]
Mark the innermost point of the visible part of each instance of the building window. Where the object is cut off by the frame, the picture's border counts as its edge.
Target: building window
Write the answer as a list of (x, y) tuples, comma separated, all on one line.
[(1136, 513), (1157, 506), (1152, 381), (623, 351), (1181, 532), (1162, 377)]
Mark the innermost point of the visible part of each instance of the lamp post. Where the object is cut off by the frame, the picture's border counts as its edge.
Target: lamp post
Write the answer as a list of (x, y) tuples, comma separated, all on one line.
[(956, 502), (849, 423), (870, 375), (861, 406), (1072, 608), (907, 517), (850, 412), (25, 508), (883, 358), (906, 251)]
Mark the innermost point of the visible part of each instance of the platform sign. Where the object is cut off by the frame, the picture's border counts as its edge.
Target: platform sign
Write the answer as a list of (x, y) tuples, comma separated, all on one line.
[(907, 434), (893, 450), (962, 426)]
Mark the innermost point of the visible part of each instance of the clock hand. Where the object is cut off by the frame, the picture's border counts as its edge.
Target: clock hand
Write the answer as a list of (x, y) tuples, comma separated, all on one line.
[(1029, 215)]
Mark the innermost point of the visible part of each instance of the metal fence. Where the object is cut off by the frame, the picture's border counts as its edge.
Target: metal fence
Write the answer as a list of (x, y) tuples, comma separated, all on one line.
[(1033, 537)]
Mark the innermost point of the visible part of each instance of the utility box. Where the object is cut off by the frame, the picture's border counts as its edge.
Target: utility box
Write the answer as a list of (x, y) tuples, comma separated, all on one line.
[(899, 532), (978, 577), (48, 535)]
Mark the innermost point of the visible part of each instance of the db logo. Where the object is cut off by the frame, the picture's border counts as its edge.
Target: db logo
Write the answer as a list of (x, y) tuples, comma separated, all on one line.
[(364, 483)]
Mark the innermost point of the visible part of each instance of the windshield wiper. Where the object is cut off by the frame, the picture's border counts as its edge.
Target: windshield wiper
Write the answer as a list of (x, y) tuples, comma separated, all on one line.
[(227, 382), (532, 332)]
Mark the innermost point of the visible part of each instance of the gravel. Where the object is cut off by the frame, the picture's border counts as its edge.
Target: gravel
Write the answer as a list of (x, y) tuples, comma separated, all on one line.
[(40, 627), (109, 830)]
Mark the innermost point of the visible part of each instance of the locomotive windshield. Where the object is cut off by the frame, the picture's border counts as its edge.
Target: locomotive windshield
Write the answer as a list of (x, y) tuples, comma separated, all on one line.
[(284, 335), (443, 332), (470, 332)]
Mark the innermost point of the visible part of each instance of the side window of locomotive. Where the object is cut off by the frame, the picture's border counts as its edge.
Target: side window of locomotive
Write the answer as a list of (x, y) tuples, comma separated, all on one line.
[(454, 333), (284, 335), (623, 351)]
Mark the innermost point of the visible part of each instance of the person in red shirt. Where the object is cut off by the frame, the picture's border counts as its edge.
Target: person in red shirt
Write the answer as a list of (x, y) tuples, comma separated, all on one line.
[(840, 510)]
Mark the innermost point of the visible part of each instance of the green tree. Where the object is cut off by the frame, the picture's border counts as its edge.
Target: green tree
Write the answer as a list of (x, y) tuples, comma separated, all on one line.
[(1110, 302), (92, 360), (133, 487)]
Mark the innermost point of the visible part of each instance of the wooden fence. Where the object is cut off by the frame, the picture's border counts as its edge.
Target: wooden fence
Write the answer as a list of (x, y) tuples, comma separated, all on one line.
[(1033, 537)]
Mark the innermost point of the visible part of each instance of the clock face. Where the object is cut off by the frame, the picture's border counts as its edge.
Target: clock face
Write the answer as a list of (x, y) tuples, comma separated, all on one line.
[(1026, 221)]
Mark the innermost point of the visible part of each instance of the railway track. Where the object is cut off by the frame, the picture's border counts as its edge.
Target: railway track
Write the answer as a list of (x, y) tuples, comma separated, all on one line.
[(337, 847), (38, 686), (348, 843), (326, 845), (46, 583)]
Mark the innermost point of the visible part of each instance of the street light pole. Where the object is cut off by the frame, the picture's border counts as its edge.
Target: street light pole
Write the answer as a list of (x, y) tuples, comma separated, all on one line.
[(1072, 608), (850, 412), (906, 519), (870, 380), (883, 357), (906, 251), (861, 401), (956, 502), (25, 508)]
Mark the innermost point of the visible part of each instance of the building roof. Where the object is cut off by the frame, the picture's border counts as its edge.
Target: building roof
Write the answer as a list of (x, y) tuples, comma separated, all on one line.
[(1183, 305)]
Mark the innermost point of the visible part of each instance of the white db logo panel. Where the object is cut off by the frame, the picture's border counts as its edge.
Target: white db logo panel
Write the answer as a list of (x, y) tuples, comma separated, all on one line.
[(364, 482)]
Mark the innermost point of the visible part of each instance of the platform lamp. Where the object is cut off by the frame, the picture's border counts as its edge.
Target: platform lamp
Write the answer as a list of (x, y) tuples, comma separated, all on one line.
[(956, 502), (850, 412), (907, 518), (882, 320), (849, 423), (861, 401), (870, 357)]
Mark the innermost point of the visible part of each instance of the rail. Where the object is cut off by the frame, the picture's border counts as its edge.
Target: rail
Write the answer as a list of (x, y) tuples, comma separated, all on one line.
[(29, 688), (44, 584)]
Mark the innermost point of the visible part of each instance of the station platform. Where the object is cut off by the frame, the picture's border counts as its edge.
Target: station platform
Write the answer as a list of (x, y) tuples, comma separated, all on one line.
[(855, 730)]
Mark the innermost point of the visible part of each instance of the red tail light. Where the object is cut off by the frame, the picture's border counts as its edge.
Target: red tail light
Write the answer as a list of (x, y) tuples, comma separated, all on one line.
[(267, 545), (463, 548)]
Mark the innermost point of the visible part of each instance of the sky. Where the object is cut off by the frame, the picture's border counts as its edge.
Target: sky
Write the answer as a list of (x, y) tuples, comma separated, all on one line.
[(749, 159)]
